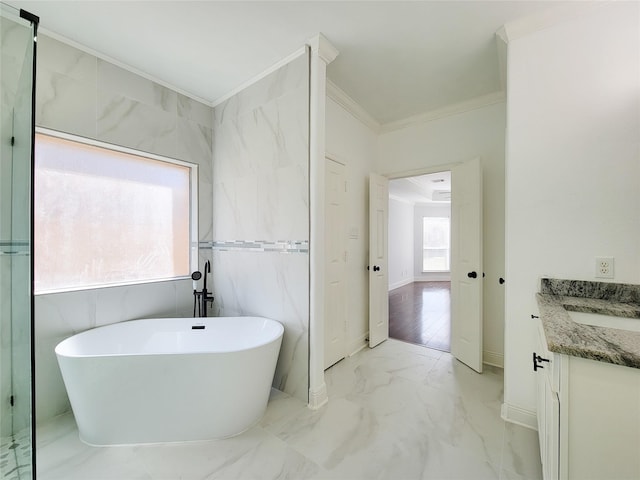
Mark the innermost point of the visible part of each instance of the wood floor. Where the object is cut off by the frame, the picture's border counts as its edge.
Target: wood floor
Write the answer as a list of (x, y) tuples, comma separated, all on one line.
[(420, 313)]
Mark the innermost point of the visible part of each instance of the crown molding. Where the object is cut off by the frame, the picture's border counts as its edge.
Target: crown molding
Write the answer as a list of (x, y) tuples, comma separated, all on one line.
[(323, 47), (326, 51), (402, 200), (454, 109), (547, 18), (339, 96), (279, 64), (118, 63)]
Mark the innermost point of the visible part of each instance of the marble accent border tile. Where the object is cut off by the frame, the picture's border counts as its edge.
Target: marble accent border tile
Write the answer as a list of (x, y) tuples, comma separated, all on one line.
[(618, 292), (282, 246)]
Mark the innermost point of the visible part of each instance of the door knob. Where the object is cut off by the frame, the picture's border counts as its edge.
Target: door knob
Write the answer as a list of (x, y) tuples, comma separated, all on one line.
[(472, 275), (376, 268)]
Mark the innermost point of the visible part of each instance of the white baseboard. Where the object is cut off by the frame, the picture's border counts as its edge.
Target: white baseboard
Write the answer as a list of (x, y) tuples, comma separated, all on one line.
[(401, 283), (358, 344), (433, 277), (493, 358), (519, 416), (317, 398)]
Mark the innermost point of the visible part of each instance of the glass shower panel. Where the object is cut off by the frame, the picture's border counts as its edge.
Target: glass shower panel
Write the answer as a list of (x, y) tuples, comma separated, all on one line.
[(16, 129)]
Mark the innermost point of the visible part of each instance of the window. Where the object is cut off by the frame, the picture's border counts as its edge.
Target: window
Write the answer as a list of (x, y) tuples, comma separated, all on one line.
[(106, 215), (435, 244)]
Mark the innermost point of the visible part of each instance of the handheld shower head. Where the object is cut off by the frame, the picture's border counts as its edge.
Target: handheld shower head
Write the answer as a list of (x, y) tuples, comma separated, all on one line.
[(195, 276)]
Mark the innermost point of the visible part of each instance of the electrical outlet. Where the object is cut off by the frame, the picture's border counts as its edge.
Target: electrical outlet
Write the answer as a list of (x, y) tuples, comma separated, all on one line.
[(604, 267)]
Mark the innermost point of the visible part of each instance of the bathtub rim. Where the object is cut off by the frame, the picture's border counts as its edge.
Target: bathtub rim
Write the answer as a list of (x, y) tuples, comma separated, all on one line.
[(59, 346)]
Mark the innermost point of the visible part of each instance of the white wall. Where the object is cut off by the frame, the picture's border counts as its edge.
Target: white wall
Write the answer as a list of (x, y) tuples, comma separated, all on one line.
[(401, 243), (452, 139), (573, 167), (421, 211), (352, 143)]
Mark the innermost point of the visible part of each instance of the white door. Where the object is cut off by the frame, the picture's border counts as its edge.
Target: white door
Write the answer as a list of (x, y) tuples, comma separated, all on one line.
[(466, 263), (378, 283), (335, 257)]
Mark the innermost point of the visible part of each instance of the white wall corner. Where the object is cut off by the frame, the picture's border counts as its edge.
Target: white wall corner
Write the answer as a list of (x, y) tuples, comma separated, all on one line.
[(494, 359), (519, 416), (318, 397), (323, 48)]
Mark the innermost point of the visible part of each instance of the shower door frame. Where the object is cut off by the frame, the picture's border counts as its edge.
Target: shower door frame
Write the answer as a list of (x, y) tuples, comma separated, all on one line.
[(16, 241)]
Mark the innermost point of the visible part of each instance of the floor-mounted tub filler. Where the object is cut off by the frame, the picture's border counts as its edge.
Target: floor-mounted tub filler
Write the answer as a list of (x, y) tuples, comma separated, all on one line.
[(170, 379)]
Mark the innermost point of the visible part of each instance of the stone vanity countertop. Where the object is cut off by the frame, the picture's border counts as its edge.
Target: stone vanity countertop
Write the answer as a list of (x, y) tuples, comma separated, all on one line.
[(563, 335)]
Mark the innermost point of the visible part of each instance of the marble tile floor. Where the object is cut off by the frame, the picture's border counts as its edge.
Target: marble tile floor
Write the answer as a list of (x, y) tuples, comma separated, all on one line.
[(15, 456), (398, 411)]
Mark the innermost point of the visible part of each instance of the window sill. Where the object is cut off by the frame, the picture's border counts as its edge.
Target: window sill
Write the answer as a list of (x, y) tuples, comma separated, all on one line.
[(111, 285)]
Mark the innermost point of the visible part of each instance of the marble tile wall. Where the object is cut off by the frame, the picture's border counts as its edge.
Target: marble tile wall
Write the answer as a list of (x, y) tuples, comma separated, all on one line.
[(81, 94), (273, 285), (261, 194)]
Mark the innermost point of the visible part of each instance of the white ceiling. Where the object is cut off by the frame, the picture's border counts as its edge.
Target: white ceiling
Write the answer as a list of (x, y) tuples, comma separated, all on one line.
[(397, 59), (430, 188)]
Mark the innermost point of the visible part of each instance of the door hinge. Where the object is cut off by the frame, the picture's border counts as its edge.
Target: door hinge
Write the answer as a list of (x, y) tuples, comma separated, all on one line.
[(11, 400), (13, 141)]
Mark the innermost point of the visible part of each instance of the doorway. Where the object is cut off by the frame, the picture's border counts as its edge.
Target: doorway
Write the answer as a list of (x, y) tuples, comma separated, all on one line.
[(419, 260)]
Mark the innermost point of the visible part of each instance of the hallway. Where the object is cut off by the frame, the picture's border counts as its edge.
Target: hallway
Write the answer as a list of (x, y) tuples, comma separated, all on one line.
[(420, 313)]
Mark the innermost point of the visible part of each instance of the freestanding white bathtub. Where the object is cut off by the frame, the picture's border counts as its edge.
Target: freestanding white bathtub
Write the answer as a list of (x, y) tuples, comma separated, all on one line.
[(170, 379)]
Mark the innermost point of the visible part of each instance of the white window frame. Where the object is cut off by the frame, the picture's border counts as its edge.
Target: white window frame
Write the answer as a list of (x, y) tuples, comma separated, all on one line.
[(193, 207)]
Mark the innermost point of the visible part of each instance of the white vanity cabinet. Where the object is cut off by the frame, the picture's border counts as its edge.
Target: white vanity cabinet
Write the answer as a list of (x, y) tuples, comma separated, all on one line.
[(548, 405), (588, 417)]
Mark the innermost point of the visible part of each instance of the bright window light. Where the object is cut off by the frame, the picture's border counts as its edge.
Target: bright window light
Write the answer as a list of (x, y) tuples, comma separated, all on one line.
[(435, 244), (106, 216)]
